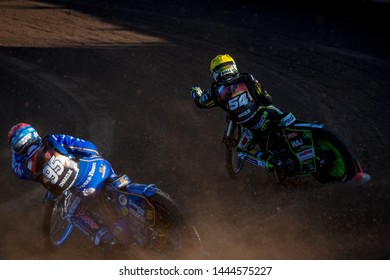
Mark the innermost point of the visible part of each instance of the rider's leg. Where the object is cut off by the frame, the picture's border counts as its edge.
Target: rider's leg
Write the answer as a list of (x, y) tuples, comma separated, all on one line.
[(267, 117), (250, 152), (90, 215)]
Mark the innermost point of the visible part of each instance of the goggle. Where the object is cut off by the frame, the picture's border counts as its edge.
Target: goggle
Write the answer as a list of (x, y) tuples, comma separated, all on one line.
[(224, 69)]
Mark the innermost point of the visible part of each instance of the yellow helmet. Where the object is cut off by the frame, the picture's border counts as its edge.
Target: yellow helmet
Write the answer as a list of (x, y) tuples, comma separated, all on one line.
[(223, 65)]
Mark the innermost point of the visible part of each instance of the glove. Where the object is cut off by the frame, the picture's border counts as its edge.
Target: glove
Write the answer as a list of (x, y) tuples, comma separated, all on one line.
[(196, 92), (88, 191)]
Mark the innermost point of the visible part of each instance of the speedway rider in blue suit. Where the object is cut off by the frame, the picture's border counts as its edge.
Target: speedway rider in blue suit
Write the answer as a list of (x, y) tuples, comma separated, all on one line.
[(59, 162)]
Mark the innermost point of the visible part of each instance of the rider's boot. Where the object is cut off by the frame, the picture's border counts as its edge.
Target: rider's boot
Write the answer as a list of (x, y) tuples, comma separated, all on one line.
[(113, 238), (120, 231), (104, 237), (360, 178), (275, 164), (253, 156), (257, 158), (106, 241)]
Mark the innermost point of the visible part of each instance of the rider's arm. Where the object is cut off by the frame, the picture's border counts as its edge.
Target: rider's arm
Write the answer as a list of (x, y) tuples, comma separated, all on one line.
[(18, 167), (261, 95), (77, 146), (203, 99)]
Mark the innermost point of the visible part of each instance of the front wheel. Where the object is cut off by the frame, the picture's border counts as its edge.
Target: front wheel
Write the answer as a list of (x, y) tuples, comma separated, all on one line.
[(47, 212), (333, 160), (171, 236), (55, 228), (233, 162)]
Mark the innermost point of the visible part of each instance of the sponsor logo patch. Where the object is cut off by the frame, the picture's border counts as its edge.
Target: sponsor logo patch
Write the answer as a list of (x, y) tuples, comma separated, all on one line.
[(90, 175), (122, 200), (306, 154), (243, 114), (65, 179), (91, 223), (102, 170), (292, 135), (265, 125), (297, 143), (287, 120), (262, 120)]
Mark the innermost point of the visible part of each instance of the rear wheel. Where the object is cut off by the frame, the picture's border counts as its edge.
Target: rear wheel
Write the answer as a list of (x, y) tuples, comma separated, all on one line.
[(333, 160), (171, 236)]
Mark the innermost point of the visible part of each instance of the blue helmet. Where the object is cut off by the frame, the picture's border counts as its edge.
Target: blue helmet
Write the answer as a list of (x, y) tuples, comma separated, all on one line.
[(23, 136)]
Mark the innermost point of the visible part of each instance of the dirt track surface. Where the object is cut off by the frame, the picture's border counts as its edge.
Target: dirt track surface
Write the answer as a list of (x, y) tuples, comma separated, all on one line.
[(119, 74)]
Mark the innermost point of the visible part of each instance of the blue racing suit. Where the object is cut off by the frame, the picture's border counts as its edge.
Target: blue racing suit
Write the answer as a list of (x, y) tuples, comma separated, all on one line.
[(61, 162)]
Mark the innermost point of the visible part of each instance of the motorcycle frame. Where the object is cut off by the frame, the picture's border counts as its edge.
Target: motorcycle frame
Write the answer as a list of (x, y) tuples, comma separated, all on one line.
[(295, 127), (131, 212)]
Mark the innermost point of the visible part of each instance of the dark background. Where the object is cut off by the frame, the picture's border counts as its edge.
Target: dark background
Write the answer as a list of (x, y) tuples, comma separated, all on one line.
[(119, 73)]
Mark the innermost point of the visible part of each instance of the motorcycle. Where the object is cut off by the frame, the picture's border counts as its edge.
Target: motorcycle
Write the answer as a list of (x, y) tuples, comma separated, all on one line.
[(300, 149), (143, 221)]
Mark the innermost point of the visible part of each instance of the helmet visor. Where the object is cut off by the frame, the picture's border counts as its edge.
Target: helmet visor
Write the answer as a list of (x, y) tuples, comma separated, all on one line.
[(23, 140), (225, 69)]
